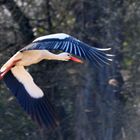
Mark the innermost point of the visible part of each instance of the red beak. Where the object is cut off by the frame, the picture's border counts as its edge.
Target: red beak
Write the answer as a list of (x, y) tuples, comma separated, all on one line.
[(76, 59)]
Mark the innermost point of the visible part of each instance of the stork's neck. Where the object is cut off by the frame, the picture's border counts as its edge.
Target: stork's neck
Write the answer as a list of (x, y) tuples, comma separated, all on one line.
[(51, 56)]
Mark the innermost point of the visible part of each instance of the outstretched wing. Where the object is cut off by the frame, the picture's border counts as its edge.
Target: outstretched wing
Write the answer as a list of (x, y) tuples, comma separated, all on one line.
[(31, 97), (71, 45)]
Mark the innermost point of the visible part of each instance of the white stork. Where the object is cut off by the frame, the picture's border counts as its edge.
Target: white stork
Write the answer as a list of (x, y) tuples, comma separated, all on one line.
[(21, 84)]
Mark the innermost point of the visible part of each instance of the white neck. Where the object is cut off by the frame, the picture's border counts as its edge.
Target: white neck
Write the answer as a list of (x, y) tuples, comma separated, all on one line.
[(51, 56)]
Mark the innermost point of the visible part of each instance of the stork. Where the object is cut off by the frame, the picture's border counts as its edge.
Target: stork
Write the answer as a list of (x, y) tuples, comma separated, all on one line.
[(22, 85)]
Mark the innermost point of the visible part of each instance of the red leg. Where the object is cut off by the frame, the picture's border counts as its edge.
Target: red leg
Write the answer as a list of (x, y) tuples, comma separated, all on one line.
[(2, 73)]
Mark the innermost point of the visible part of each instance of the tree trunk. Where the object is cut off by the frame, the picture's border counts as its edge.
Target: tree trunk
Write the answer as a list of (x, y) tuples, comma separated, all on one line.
[(48, 15), (101, 95), (109, 78)]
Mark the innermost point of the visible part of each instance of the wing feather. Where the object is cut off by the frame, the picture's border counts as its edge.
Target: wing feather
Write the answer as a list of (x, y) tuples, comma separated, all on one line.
[(71, 45), (39, 107)]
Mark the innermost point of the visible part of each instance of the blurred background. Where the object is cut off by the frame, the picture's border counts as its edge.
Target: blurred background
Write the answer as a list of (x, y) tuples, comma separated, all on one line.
[(101, 104)]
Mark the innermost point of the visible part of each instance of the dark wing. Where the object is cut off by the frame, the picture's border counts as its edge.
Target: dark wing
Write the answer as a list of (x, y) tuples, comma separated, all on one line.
[(39, 109), (71, 45)]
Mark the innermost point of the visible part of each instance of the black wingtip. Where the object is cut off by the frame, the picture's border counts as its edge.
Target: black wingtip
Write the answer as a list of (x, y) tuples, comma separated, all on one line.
[(100, 57), (39, 109), (45, 114)]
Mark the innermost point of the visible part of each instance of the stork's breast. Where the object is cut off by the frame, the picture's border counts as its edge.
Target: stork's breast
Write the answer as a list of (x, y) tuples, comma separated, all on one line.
[(30, 57)]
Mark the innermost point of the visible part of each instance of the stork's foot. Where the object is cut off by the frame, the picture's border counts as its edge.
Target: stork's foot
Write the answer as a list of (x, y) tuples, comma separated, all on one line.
[(4, 70)]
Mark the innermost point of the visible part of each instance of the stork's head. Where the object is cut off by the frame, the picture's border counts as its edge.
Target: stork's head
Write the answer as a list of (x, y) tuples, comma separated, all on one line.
[(67, 56)]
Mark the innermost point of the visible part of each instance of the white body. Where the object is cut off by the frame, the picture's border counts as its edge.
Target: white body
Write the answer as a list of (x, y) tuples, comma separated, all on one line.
[(32, 57), (27, 58)]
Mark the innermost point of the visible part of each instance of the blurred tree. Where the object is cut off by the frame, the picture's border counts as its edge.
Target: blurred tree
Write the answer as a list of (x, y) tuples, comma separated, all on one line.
[(101, 23), (90, 102), (20, 19), (131, 70), (110, 79)]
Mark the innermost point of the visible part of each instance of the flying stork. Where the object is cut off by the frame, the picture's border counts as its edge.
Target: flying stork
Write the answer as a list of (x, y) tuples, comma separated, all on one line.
[(22, 85)]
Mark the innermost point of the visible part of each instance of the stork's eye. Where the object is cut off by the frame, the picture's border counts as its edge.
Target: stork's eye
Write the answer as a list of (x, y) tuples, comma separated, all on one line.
[(69, 55)]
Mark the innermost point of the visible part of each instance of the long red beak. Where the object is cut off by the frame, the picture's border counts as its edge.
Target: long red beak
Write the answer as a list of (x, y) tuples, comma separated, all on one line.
[(76, 59)]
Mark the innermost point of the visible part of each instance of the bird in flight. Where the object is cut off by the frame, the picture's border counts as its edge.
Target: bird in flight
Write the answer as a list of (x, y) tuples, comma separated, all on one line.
[(20, 82)]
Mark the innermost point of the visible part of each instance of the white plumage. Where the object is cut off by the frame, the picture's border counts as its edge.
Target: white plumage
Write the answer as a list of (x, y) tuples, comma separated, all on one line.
[(27, 81), (52, 36)]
